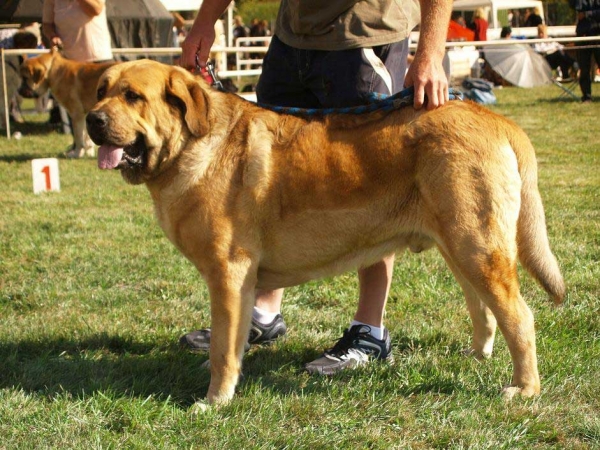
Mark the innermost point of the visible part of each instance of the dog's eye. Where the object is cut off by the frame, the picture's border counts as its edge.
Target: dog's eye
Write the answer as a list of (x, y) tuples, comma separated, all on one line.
[(101, 93), (132, 96)]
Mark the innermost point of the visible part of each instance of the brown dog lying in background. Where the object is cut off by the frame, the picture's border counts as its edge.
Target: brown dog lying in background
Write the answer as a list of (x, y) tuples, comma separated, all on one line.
[(259, 199), (73, 85)]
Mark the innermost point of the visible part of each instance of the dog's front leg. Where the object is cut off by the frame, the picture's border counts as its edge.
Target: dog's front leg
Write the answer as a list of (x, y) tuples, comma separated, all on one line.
[(83, 143), (232, 295)]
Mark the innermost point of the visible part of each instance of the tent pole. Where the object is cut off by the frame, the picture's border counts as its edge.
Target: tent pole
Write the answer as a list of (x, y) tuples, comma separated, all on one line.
[(6, 108), (230, 24)]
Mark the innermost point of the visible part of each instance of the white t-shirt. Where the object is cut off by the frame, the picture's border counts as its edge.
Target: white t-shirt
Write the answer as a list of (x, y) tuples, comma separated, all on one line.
[(85, 38)]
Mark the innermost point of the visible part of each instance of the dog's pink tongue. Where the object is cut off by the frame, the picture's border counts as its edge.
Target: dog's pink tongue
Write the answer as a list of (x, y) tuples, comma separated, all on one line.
[(109, 156)]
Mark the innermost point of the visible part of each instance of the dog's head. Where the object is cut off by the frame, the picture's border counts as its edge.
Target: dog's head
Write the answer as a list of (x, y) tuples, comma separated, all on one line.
[(147, 112), (34, 75)]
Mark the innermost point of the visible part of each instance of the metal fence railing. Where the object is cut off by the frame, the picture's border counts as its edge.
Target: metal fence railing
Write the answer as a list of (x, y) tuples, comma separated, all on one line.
[(250, 67)]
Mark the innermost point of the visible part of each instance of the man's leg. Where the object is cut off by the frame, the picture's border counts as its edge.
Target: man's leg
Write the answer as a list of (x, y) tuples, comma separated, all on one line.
[(378, 70), (269, 301), (267, 324), (279, 84), (375, 282), (584, 57)]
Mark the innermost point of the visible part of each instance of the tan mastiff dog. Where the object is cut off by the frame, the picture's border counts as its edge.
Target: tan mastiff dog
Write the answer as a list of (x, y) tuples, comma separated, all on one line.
[(73, 85), (259, 199)]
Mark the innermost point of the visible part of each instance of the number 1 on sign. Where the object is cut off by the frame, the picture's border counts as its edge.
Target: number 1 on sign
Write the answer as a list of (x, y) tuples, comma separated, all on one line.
[(46, 172)]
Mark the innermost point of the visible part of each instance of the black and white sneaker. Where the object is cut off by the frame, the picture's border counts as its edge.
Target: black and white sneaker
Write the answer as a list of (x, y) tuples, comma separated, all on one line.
[(355, 348), (199, 340)]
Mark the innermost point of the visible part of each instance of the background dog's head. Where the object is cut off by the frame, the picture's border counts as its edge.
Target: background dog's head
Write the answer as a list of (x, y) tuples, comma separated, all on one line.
[(34, 73), (146, 113)]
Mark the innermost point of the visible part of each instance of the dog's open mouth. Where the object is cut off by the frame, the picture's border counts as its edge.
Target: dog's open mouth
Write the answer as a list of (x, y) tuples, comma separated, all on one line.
[(117, 157)]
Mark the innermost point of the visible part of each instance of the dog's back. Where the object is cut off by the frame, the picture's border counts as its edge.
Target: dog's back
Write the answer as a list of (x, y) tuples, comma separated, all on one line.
[(73, 83)]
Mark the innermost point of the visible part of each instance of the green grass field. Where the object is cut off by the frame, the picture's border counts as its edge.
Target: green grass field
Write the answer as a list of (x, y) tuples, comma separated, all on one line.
[(93, 299)]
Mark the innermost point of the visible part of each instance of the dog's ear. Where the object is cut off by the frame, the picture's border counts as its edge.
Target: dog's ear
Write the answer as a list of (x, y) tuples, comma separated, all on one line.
[(187, 95)]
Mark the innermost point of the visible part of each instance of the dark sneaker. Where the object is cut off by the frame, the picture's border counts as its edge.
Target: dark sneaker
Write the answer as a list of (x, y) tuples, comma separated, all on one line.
[(355, 348), (199, 341)]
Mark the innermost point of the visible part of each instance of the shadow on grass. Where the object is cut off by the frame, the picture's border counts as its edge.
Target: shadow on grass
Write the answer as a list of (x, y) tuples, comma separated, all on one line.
[(31, 129), (35, 128), (126, 367), (103, 363), (24, 157)]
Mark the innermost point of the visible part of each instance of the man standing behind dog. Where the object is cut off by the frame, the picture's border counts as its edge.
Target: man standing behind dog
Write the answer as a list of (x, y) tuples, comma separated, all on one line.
[(336, 54), (80, 28)]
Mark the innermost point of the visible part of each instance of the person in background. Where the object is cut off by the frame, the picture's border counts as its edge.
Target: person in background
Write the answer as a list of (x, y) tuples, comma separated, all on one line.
[(554, 54), (457, 30), (533, 18), (480, 25), (27, 36), (339, 55), (80, 28), (258, 29), (178, 29), (240, 30), (588, 24), (506, 33)]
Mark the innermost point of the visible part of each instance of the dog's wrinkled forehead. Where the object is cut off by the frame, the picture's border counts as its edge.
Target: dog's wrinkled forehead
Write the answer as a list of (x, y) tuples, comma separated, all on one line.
[(146, 76)]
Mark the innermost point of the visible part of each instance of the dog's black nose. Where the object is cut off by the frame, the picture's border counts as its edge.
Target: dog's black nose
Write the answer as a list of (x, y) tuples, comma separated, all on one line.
[(96, 123), (96, 120)]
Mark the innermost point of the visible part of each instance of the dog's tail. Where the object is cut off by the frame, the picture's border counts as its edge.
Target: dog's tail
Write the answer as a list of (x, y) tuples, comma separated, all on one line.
[(532, 237)]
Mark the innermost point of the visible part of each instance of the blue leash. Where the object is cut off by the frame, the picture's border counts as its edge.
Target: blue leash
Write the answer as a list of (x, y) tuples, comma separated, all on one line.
[(378, 102)]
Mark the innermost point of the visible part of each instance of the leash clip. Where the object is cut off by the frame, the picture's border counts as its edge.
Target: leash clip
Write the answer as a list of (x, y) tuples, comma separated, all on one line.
[(211, 71), (209, 74)]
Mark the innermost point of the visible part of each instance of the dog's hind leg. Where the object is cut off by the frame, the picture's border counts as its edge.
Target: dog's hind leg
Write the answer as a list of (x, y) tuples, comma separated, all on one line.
[(493, 277), (484, 322)]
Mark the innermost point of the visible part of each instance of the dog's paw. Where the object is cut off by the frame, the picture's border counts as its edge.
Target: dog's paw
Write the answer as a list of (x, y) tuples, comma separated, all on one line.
[(200, 407), (510, 392), (477, 354)]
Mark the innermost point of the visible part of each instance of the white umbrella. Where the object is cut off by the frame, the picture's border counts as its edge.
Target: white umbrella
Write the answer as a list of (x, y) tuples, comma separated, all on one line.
[(519, 65)]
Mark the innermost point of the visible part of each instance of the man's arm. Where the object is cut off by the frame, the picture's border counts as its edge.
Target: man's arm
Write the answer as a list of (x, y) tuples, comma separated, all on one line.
[(50, 33), (48, 28), (92, 7), (202, 34), (426, 72)]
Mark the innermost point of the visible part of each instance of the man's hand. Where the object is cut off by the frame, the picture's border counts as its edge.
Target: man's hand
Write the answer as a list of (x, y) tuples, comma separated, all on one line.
[(428, 78), (426, 73), (197, 44), (56, 42)]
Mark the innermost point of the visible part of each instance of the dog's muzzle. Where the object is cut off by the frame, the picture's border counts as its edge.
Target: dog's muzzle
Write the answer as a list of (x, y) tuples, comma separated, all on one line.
[(114, 155), (26, 92)]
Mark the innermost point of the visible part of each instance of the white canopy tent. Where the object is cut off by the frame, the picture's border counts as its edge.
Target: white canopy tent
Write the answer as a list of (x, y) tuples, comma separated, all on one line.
[(182, 5), (496, 5)]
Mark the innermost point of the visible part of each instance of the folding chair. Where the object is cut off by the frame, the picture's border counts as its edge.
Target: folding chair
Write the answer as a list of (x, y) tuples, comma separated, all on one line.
[(567, 89)]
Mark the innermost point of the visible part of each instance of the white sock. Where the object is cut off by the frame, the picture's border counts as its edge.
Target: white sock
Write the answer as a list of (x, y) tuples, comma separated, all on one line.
[(376, 332), (263, 317)]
